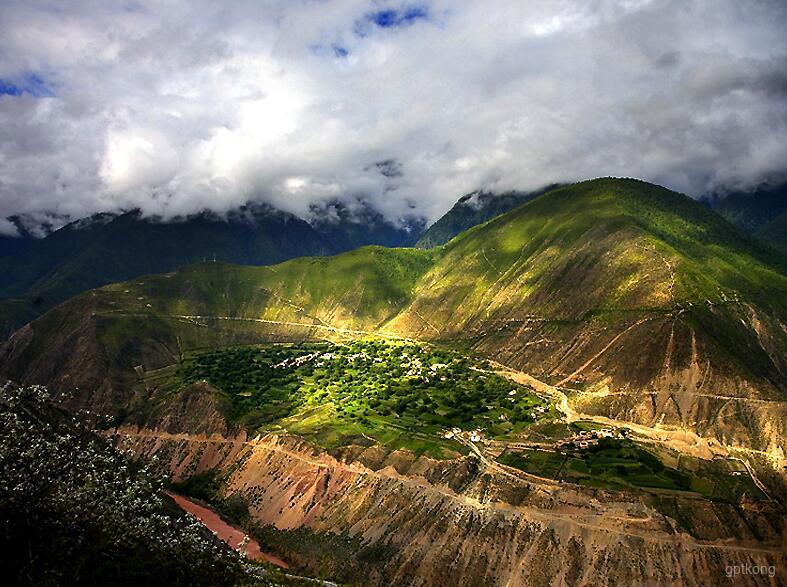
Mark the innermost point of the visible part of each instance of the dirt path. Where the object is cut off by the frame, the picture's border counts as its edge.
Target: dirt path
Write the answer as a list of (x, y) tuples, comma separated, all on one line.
[(684, 441), (236, 539), (322, 326), (507, 471)]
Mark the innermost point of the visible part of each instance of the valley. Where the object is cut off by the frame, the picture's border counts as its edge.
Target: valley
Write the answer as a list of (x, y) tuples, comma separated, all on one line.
[(311, 465), (401, 395), (387, 293), (594, 376)]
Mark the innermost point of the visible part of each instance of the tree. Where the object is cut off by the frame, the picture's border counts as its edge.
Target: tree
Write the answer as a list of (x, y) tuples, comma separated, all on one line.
[(75, 511)]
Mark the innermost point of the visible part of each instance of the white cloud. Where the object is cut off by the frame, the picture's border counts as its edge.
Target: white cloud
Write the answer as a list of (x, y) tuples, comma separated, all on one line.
[(8, 228), (180, 106)]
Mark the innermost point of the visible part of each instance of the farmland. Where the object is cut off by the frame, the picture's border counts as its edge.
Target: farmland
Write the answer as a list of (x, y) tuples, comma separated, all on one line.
[(396, 393)]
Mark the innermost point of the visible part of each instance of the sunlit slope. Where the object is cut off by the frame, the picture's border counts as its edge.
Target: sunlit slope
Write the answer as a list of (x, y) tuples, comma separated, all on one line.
[(641, 303), (597, 246), (101, 340)]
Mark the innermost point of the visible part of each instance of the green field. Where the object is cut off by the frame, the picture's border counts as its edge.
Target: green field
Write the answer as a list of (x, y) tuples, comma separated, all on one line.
[(614, 463), (395, 393), (623, 464)]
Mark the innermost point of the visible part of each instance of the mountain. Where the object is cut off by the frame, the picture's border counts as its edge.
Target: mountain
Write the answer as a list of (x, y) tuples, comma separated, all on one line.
[(582, 286), (472, 209), (107, 248), (349, 226), (751, 211), (24, 231), (775, 233), (13, 244), (627, 306)]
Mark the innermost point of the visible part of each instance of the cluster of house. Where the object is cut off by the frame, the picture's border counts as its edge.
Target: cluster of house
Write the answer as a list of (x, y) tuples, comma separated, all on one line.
[(587, 438), (294, 361), (473, 435), (538, 410)]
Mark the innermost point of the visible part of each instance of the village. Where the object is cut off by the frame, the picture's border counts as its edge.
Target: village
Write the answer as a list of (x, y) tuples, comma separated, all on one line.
[(580, 439), (588, 438)]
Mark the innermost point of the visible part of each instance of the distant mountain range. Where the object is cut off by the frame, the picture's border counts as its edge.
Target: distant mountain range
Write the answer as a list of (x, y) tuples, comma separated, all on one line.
[(473, 209), (751, 211), (106, 248)]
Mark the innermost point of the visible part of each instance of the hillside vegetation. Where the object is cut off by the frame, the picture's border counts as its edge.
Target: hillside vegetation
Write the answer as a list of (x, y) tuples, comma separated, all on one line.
[(76, 512), (774, 233), (402, 394), (641, 303), (107, 248)]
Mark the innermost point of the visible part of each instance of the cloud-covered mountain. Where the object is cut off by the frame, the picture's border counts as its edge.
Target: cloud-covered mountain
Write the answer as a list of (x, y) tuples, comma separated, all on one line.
[(180, 107), (108, 247), (470, 210), (582, 286), (752, 210)]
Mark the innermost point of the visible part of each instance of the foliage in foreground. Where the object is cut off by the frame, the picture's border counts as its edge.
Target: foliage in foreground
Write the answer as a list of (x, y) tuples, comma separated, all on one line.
[(75, 511)]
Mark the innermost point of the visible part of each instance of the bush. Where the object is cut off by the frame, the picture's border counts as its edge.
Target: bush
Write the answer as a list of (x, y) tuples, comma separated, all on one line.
[(74, 511)]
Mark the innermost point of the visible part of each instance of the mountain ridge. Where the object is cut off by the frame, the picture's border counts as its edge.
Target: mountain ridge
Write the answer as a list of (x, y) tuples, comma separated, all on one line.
[(473, 209), (570, 286), (106, 248)]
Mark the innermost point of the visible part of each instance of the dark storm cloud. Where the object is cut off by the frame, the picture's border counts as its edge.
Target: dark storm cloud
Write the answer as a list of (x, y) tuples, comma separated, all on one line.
[(182, 106)]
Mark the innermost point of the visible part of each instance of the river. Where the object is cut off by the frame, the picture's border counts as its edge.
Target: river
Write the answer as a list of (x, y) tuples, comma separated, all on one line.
[(225, 532)]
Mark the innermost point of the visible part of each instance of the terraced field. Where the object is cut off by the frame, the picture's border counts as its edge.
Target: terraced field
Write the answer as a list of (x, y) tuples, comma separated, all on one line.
[(626, 465)]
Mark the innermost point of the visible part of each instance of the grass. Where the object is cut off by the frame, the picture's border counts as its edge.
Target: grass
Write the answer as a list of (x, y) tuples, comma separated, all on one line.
[(536, 462), (612, 463), (623, 464)]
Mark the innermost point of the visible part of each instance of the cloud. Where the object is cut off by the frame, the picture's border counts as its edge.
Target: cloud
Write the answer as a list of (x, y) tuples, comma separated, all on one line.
[(180, 106), (8, 228)]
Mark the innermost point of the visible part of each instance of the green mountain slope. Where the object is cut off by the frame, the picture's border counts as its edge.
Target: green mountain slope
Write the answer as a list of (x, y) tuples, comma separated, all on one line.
[(647, 304), (107, 248), (640, 303), (775, 233), (471, 210)]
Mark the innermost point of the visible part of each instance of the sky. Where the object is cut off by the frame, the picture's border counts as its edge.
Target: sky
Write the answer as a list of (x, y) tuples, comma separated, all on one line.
[(177, 106)]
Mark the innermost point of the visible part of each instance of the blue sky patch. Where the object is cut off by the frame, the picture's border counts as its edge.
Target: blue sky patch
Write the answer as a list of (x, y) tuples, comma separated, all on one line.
[(391, 17), (28, 84), (330, 50), (9, 89), (384, 18)]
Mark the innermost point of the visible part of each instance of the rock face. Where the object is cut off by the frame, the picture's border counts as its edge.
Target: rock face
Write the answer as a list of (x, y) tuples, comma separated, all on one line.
[(370, 516), (379, 518)]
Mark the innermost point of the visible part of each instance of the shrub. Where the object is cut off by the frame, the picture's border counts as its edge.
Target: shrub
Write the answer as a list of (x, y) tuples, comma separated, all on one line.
[(74, 511)]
